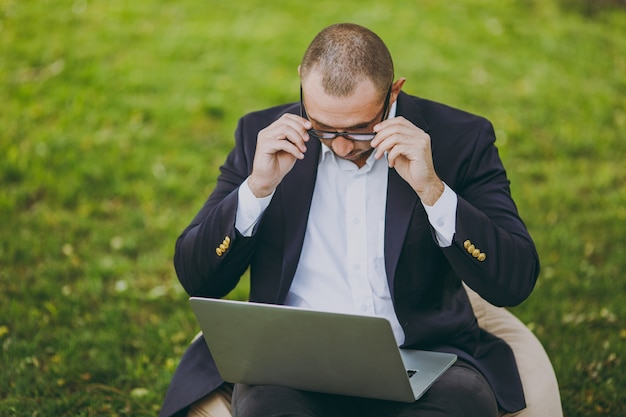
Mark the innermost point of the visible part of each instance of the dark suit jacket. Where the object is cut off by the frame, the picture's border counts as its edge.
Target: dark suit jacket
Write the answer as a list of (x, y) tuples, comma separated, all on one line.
[(425, 279)]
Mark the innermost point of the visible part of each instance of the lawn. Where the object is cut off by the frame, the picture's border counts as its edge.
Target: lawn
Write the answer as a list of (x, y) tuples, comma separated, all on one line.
[(115, 117)]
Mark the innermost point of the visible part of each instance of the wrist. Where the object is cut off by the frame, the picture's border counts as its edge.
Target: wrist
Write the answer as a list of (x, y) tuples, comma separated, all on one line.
[(432, 192), (259, 189)]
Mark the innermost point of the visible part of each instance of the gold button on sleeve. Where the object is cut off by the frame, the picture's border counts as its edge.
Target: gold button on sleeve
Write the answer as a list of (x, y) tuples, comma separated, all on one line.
[(482, 257), (467, 244), (476, 253), (227, 240), (471, 248)]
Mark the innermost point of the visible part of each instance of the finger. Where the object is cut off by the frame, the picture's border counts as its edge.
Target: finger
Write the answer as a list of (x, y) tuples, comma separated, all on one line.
[(305, 122), (282, 145), (386, 140), (285, 132), (297, 136), (290, 148), (395, 153), (387, 129), (296, 121), (275, 146), (295, 129), (398, 122)]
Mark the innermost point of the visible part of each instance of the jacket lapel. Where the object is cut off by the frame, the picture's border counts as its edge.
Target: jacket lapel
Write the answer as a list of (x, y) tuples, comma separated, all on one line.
[(401, 199), (296, 194)]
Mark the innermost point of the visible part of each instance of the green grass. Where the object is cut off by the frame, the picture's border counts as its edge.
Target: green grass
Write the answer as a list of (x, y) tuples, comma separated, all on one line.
[(115, 116)]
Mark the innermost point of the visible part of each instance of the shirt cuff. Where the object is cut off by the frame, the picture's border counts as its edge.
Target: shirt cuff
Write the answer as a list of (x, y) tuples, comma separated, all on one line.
[(249, 209), (442, 216)]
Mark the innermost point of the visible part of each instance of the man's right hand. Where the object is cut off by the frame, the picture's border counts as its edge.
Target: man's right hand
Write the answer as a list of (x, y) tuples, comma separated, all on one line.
[(278, 147)]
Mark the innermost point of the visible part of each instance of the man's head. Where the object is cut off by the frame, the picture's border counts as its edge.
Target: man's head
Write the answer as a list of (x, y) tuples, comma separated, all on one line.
[(347, 86), (346, 54)]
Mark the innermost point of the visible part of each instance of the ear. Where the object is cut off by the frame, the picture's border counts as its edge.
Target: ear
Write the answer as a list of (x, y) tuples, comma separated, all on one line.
[(396, 87)]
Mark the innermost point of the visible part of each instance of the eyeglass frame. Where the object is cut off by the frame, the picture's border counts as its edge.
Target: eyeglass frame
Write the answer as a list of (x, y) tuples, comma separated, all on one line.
[(355, 136)]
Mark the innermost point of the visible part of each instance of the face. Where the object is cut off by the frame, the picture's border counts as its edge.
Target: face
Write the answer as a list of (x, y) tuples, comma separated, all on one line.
[(358, 113)]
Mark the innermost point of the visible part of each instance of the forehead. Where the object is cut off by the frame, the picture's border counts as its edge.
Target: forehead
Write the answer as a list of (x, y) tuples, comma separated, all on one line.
[(362, 106)]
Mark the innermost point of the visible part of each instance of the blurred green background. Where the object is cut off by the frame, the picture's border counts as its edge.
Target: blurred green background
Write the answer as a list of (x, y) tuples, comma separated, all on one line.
[(115, 116)]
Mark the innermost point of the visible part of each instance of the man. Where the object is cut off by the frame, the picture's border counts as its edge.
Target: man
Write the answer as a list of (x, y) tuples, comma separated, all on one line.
[(364, 199)]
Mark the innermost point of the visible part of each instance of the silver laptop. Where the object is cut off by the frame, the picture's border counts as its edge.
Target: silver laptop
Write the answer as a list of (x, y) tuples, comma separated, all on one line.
[(317, 351)]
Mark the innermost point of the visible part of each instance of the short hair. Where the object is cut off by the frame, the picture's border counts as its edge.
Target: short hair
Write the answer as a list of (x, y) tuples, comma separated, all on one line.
[(345, 54)]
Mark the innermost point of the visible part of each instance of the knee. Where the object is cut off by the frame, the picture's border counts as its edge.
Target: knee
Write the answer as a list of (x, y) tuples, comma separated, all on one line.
[(252, 400), (463, 391), (266, 400)]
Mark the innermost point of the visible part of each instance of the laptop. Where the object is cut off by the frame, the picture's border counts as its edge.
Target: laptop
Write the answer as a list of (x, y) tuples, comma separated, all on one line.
[(336, 353)]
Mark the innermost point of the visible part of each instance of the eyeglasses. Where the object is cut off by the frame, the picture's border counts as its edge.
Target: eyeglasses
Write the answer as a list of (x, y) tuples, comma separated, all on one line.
[(356, 136)]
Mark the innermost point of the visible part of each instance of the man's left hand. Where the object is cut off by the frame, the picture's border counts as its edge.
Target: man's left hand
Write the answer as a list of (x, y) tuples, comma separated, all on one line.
[(409, 151)]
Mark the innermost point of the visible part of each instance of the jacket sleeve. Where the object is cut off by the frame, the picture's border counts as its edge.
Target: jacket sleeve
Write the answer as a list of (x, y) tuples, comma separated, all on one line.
[(210, 255), (492, 250)]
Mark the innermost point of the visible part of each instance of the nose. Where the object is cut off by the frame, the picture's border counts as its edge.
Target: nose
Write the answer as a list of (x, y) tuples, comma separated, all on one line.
[(342, 146)]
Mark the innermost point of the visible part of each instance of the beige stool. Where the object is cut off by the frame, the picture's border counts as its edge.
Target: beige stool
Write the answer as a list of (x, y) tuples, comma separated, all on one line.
[(216, 404), (541, 388), (538, 379)]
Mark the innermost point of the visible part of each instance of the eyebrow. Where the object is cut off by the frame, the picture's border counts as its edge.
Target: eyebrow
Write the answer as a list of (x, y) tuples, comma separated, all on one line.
[(347, 128)]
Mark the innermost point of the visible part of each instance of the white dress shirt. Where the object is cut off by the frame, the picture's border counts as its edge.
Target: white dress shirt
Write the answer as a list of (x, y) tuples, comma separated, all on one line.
[(342, 264)]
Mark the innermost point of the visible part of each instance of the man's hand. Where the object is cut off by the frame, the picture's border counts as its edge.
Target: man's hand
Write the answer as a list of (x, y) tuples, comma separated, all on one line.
[(409, 152), (278, 147)]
